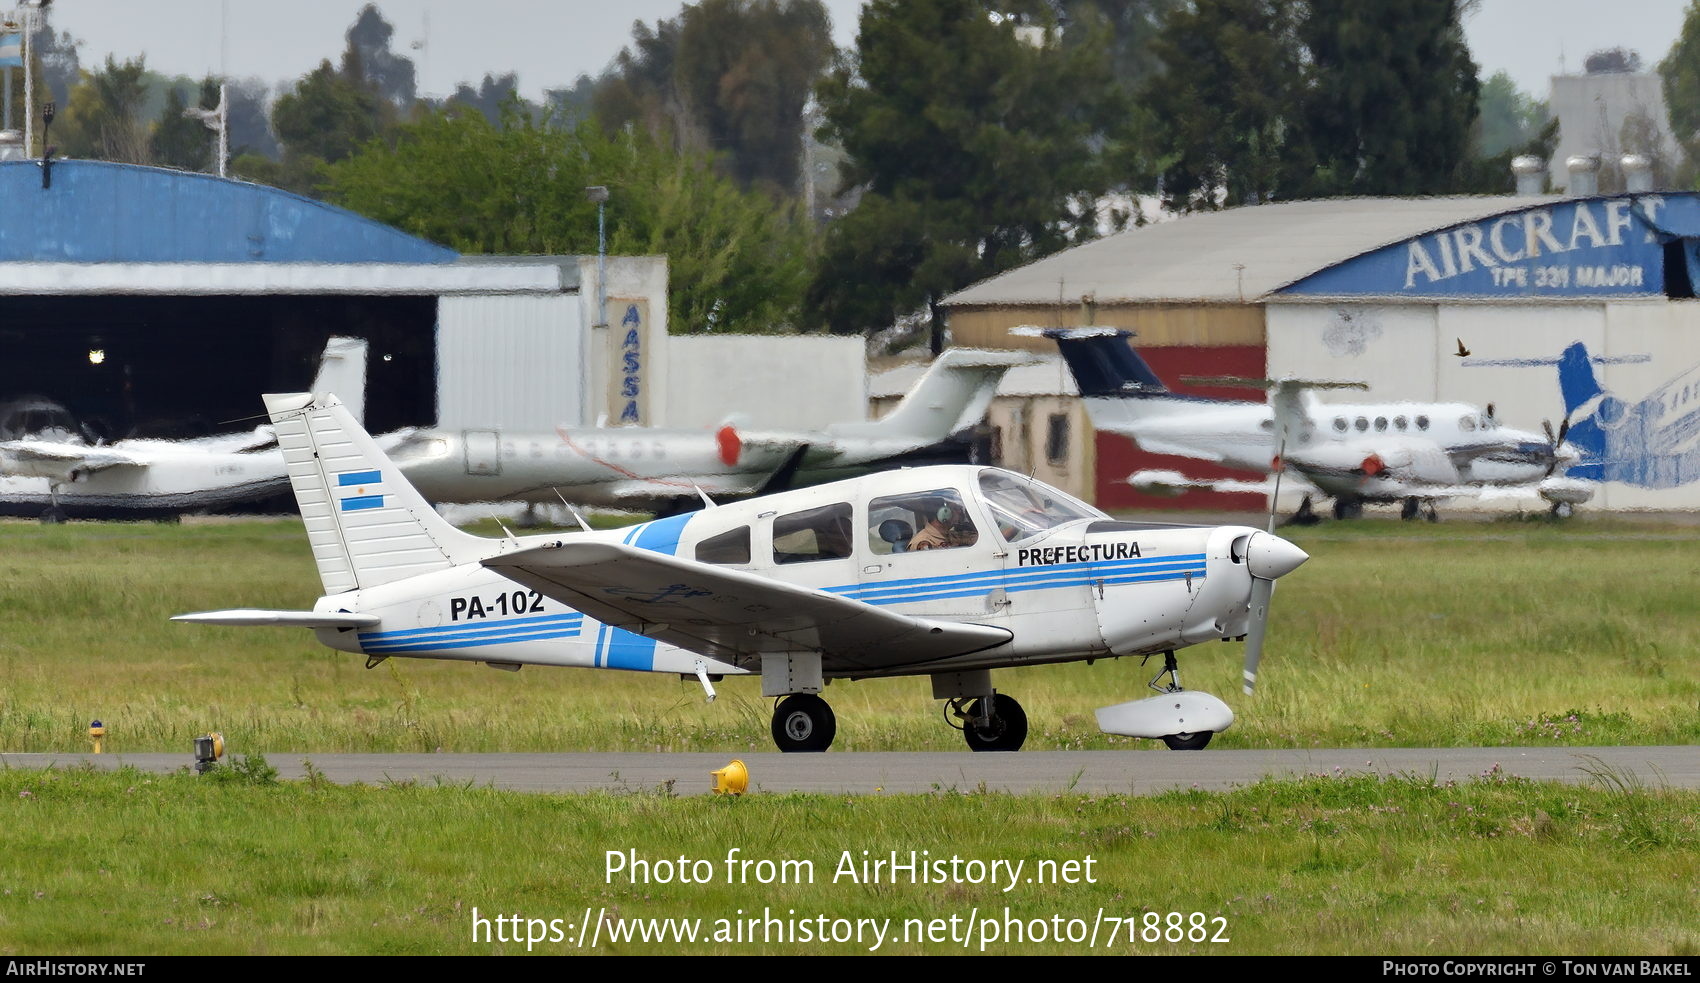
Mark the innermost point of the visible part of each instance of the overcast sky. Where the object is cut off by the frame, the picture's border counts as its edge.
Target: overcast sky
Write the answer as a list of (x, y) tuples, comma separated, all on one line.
[(551, 42)]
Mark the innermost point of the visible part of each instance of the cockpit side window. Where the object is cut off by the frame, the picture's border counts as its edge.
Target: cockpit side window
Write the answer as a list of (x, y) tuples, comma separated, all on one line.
[(732, 546), (928, 520), (814, 534), (1467, 423), (1023, 508)]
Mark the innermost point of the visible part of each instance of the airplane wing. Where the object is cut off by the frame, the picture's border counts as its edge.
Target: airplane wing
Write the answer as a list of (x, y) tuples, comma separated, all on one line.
[(732, 615), (1175, 483), (1156, 445), (61, 462)]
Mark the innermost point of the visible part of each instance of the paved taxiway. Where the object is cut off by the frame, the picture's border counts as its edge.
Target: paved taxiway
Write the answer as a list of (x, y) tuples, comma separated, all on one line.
[(1097, 772)]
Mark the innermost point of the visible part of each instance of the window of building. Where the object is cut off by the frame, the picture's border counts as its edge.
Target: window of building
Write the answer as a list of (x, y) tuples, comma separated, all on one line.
[(1056, 439)]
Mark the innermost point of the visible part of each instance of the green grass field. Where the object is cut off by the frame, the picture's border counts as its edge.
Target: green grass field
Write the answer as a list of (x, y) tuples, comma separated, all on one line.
[(1394, 634), (135, 864)]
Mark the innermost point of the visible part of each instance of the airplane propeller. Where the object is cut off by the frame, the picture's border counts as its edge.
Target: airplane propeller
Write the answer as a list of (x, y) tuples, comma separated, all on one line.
[(1267, 559), (1554, 442)]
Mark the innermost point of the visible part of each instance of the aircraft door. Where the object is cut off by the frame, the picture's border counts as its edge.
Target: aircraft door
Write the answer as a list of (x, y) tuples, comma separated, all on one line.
[(926, 555), (483, 451)]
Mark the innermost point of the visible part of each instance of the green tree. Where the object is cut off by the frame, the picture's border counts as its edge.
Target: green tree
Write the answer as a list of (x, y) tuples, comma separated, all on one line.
[(517, 186), (105, 118), (1226, 108), (1390, 97), (1510, 117), (977, 151), (1680, 73), (728, 77), (181, 140)]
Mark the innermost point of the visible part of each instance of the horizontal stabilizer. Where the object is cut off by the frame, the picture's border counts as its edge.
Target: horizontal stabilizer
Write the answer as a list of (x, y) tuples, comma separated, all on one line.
[(1280, 385), (288, 619)]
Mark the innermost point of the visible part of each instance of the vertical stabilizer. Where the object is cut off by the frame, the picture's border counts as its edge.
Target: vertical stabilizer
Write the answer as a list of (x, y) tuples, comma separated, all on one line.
[(366, 524), (1103, 363), (1576, 378), (342, 370), (952, 396)]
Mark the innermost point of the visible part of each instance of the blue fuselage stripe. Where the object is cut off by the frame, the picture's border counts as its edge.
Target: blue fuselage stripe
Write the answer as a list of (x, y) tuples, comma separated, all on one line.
[(573, 618), (436, 645)]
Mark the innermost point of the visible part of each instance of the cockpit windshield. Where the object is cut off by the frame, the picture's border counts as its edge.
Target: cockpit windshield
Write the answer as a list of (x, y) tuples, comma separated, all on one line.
[(1023, 508)]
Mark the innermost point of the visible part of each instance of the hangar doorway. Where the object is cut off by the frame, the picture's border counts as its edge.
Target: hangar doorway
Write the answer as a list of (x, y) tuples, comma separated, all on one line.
[(184, 366)]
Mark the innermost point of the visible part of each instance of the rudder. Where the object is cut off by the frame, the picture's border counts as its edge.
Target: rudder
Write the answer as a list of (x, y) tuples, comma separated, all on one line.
[(366, 524)]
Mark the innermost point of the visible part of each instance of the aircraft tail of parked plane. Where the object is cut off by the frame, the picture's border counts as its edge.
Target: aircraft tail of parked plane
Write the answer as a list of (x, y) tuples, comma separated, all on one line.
[(951, 397)]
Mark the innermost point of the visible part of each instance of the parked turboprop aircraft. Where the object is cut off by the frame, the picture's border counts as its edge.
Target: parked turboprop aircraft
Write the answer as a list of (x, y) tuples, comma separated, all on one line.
[(1409, 453), (947, 572), (56, 476), (659, 469)]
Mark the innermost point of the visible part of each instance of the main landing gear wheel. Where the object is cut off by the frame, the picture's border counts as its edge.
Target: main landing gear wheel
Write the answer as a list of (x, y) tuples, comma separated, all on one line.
[(1188, 742), (803, 722), (1563, 510), (1006, 730), (1348, 508)]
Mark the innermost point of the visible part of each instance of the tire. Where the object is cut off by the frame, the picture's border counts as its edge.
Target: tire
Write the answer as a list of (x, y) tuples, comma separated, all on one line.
[(1348, 508), (1188, 742), (803, 722), (1411, 509), (1008, 729)]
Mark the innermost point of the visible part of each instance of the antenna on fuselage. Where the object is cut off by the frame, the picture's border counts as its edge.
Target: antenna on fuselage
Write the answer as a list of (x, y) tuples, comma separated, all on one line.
[(572, 511), (702, 495)]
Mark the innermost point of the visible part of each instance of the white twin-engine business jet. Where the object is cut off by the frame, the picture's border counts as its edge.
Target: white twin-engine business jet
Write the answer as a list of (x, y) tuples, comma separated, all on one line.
[(947, 572), (1397, 452), (662, 469)]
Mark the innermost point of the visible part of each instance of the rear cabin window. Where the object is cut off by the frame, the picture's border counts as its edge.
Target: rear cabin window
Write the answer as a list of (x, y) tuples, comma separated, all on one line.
[(728, 547), (815, 534)]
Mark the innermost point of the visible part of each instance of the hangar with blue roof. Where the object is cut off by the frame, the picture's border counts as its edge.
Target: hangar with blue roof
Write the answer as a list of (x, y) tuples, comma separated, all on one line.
[(1389, 292), (199, 293)]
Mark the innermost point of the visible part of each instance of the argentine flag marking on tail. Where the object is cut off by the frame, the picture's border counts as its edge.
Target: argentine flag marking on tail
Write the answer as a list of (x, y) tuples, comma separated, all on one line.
[(11, 50), (360, 490)]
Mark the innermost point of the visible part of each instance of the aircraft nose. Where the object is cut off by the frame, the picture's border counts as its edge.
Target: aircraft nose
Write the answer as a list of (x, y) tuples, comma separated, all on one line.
[(1271, 557)]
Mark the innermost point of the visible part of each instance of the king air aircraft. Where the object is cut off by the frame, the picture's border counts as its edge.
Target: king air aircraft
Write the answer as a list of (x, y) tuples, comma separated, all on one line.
[(666, 470), (946, 572), (1410, 454), (55, 473)]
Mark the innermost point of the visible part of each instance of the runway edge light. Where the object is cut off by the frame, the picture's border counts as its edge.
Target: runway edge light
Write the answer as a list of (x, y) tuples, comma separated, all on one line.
[(733, 779), (97, 734)]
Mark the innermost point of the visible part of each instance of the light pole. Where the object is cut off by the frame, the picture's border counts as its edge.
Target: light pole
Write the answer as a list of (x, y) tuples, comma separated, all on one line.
[(599, 194)]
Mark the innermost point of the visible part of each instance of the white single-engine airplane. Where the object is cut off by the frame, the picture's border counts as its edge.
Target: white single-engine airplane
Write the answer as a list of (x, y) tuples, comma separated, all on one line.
[(57, 475), (1407, 453), (947, 572), (666, 469)]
